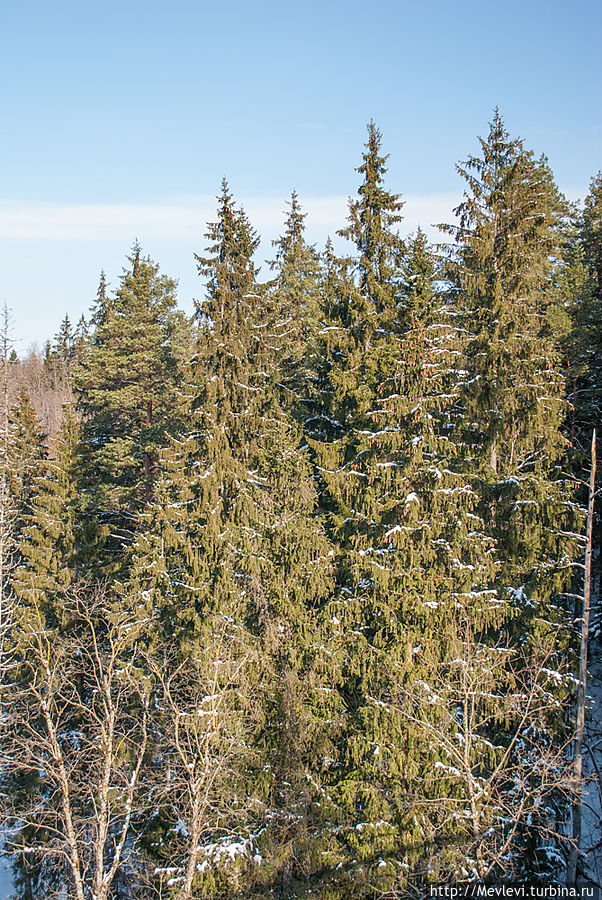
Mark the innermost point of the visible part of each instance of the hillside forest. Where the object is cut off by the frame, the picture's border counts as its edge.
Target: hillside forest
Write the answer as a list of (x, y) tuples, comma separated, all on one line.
[(291, 588)]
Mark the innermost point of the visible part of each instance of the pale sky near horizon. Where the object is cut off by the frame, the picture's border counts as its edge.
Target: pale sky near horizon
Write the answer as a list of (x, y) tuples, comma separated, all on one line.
[(119, 121)]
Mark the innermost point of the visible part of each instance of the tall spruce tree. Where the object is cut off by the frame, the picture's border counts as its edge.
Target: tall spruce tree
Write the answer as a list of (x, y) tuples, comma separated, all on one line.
[(356, 436), (581, 285), (511, 431), (589, 313), (233, 543), (592, 231), (204, 467), (126, 386), (295, 313), (507, 248)]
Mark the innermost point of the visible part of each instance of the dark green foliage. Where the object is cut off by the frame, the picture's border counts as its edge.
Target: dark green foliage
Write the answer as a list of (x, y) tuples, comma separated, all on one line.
[(58, 533), (591, 235), (294, 311), (27, 456), (372, 220), (359, 443), (233, 542), (583, 289), (65, 353), (587, 299), (514, 454), (126, 384), (507, 245), (507, 242)]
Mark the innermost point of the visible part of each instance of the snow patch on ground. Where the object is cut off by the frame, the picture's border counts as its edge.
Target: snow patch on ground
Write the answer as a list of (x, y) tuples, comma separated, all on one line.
[(6, 875)]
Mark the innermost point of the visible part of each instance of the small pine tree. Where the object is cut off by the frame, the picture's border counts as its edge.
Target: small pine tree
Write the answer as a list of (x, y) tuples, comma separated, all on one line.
[(63, 342)]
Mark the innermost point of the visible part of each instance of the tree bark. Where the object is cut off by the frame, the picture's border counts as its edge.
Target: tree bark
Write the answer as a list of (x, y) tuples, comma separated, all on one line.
[(148, 461), (571, 876)]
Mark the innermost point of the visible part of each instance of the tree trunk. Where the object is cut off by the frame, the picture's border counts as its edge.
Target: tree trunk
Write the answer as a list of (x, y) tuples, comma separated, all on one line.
[(493, 457), (571, 876), (148, 461)]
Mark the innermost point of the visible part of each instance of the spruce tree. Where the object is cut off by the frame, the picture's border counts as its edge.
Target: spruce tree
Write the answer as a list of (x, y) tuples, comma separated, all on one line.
[(357, 438), (581, 285), (512, 446), (27, 454), (63, 345), (81, 336), (126, 386), (589, 313), (57, 535), (507, 249), (233, 543), (294, 310), (592, 231), (62, 356)]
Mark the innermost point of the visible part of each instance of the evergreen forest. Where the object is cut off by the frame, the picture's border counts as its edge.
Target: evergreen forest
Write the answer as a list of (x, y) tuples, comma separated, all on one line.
[(291, 589)]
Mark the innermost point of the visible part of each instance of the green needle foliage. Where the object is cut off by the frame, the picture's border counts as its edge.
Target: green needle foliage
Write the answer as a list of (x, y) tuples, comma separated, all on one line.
[(26, 457), (508, 245), (294, 309), (588, 393), (126, 390), (232, 542), (59, 533), (364, 460)]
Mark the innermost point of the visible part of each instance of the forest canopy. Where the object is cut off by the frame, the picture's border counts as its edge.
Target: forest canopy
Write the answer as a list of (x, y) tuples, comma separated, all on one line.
[(291, 588)]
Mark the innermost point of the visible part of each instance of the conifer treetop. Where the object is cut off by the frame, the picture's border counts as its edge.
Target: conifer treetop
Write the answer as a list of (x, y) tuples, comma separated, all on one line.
[(592, 229), (372, 219), (229, 269)]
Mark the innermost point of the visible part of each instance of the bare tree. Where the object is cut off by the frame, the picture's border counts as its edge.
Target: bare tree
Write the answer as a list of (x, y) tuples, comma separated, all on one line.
[(497, 776), (205, 718), (7, 508), (74, 756)]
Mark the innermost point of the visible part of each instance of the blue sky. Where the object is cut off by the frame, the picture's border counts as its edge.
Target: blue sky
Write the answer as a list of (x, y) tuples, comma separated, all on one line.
[(120, 119)]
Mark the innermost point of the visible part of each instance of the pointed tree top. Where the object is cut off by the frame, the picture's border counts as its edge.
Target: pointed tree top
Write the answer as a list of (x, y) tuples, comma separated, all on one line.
[(134, 258), (373, 218)]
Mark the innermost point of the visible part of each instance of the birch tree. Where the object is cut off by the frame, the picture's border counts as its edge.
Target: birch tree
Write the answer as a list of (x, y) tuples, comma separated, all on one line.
[(74, 758)]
